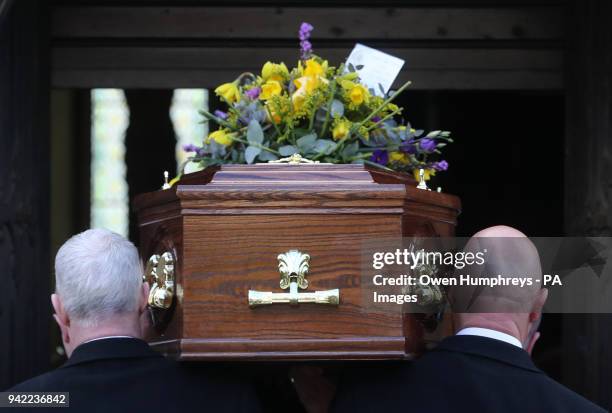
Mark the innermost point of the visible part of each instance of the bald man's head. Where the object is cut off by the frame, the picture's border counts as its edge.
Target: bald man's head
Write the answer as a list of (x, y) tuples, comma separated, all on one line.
[(509, 255)]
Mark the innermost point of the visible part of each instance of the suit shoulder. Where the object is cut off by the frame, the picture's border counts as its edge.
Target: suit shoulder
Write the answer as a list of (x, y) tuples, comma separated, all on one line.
[(568, 397)]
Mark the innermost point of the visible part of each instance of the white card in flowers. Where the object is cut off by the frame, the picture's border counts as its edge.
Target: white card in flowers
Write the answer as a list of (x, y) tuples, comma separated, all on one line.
[(377, 70)]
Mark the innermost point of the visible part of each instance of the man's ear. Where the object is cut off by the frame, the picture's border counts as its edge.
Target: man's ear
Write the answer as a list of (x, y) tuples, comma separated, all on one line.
[(144, 297), (532, 342), (61, 317), (145, 315)]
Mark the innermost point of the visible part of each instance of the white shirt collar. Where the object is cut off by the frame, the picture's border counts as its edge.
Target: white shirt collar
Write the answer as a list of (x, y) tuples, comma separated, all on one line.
[(104, 338), (487, 332)]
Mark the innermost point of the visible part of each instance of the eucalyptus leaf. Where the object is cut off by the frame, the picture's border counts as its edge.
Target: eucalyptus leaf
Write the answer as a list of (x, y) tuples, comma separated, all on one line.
[(267, 156), (337, 108), (251, 153), (350, 150), (254, 132), (306, 142), (288, 150), (324, 146)]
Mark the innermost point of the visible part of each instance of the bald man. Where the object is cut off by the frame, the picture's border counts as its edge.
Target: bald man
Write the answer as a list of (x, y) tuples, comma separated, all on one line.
[(486, 366)]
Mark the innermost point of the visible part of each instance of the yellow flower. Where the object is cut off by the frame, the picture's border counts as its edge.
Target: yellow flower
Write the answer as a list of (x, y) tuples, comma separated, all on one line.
[(298, 100), (269, 89), (274, 71), (358, 94), (229, 92), (398, 157), (341, 129), (427, 175), (314, 68), (305, 85), (220, 136), (355, 92)]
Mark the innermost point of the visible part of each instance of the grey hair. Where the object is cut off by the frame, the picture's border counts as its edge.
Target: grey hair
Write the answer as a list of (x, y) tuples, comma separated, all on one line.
[(98, 275)]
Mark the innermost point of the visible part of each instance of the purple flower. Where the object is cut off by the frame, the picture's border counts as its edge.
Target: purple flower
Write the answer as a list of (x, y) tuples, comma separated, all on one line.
[(190, 147), (380, 156), (305, 45), (220, 114), (305, 29), (441, 165), (408, 147), (253, 93), (427, 145), (375, 119)]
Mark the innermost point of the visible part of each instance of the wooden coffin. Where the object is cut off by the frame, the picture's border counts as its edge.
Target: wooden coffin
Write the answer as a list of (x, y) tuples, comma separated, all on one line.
[(219, 232)]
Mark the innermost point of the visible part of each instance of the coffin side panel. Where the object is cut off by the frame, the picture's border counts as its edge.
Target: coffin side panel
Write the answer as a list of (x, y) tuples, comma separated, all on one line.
[(225, 256)]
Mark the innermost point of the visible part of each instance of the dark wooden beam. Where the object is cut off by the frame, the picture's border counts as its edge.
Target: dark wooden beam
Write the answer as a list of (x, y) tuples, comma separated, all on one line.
[(445, 47), (170, 67), (24, 193), (365, 23)]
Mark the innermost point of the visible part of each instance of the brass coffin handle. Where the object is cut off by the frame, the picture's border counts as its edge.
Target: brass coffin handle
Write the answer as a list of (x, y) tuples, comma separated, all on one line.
[(159, 275), (293, 266)]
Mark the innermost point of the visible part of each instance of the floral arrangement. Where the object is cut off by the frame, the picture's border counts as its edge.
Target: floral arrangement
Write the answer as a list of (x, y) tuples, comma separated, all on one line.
[(321, 112)]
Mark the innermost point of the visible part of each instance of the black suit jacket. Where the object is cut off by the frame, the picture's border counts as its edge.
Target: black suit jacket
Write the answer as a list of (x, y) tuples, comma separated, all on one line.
[(125, 375), (463, 374)]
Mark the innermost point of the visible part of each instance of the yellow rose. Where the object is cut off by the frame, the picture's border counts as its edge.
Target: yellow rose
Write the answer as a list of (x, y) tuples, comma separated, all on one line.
[(229, 92), (358, 94), (220, 136), (269, 89), (398, 157), (274, 71), (341, 129), (427, 175), (314, 68)]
